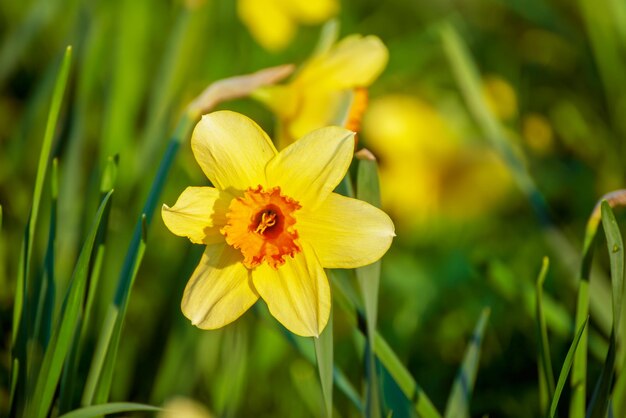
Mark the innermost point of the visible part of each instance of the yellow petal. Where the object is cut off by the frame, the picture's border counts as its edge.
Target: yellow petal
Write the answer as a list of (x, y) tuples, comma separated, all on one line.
[(309, 169), (198, 214), (311, 12), (297, 293), (345, 232), (232, 150), (355, 61), (319, 108), (283, 100), (219, 290), (268, 22)]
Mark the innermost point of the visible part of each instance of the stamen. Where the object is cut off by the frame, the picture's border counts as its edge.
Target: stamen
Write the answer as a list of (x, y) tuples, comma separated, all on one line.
[(261, 224), (268, 220)]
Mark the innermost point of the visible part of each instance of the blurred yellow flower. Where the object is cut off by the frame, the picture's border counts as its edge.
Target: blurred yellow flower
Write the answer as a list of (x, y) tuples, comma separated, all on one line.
[(329, 89), (500, 97), (273, 23), (271, 224), (537, 133), (426, 170)]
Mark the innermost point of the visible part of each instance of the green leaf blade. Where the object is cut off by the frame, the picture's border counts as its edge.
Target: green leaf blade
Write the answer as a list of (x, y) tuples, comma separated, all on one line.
[(110, 408), (458, 402), (325, 364), (59, 346)]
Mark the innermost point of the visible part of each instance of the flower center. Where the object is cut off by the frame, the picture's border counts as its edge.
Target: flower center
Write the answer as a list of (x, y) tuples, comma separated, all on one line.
[(261, 225)]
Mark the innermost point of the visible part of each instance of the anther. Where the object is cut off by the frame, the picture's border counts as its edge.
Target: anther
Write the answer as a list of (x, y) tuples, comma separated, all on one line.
[(268, 220)]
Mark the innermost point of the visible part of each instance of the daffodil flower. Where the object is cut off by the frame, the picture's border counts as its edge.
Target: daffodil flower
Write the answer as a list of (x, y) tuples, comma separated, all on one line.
[(329, 89), (273, 23), (271, 224)]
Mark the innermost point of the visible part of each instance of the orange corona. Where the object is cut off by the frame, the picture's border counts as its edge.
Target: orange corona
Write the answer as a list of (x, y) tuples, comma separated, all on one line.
[(261, 224), (357, 109)]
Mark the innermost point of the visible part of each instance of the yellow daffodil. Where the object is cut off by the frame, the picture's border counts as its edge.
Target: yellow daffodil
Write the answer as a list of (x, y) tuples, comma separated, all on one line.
[(330, 89), (271, 224), (273, 23), (427, 171)]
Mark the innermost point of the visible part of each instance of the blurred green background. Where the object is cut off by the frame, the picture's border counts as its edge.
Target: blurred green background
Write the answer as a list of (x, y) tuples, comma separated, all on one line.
[(470, 234)]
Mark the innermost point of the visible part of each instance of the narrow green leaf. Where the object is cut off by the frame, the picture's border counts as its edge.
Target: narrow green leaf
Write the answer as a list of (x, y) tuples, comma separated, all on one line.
[(339, 378), (68, 384), (390, 361), (109, 339), (109, 176), (461, 393), (599, 403), (368, 277), (615, 247), (20, 334), (97, 362), (44, 156), (110, 408), (45, 310), (134, 255), (567, 364), (546, 376), (423, 406), (324, 355), (54, 357), (579, 371), (598, 406), (230, 382)]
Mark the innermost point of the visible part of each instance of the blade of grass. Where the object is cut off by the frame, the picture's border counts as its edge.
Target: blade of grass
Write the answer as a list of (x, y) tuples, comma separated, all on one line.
[(339, 378), (599, 404), (43, 291), (567, 365), (110, 408), (19, 334), (461, 393), (604, 36), (107, 183), (544, 365), (579, 371), (103, 363), (108, 342), (324, 356), (230, 383), (615, 246), (67, 393), (54, 357), (390, 361), (368, 277), (44, 156), (422, 404), (45, 307)]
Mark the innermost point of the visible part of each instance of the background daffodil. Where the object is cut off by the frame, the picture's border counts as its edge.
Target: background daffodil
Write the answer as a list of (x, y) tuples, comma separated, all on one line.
[(329, 89), (427, 171), (273, 23), (271, 223)]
